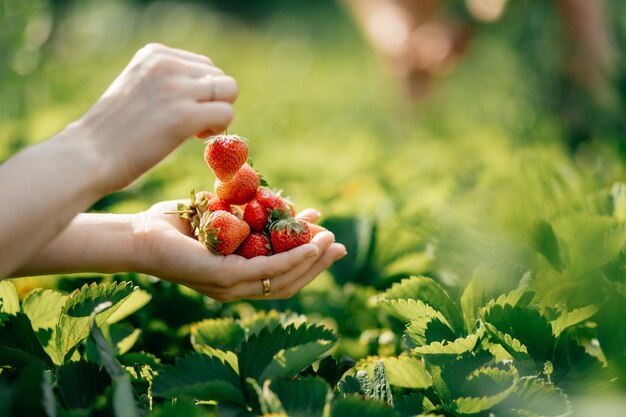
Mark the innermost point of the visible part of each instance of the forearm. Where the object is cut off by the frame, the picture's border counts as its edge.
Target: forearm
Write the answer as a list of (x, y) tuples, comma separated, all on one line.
[(102, 243), (586, 25), (42, 189)]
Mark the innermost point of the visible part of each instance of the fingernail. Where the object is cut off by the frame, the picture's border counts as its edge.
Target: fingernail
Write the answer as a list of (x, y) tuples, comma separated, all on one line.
[(341, 256)]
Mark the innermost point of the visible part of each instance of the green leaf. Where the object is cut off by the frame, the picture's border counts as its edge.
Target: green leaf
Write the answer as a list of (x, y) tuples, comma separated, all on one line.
[(409, 405), (519, 297), (73, 324), (568, 319), (179, 409), (283, 351), (43, 308), (124, 403), (502, 378), (425, 330), (331, 369), (403, 371), (19, 344), (198, 377), (456, 347), (473, 405), (140, 358), (511, 345), (10, 303), (526, 325), (428, 291), (268, 400), (473, 298), (270, 319), (137, 299), (409, 309), (81, 383), (357, 233), (82, 302), (357, 407), (539, 396), (304, 397), (289, 362), (592, 241), (224, 356), (223, 334), (34, 395), (544, 240)]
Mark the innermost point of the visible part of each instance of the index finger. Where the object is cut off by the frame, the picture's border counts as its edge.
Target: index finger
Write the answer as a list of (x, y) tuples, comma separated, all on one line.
[(262, 267)]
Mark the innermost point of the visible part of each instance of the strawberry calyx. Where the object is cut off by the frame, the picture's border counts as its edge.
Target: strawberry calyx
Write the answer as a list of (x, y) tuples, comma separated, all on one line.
[(278, 214), (224, 137), (208, 235), (194, 211), (289, 224)]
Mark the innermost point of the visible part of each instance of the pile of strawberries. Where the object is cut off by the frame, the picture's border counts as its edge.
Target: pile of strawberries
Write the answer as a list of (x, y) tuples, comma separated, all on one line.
[(242, 216)]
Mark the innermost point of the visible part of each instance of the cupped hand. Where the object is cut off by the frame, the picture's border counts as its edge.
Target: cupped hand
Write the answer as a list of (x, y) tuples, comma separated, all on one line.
[(162, 97), (168, 250)]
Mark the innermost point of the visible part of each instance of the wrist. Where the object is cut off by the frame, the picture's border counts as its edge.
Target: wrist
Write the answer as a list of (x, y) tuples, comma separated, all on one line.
[(139, 259), (97, 166)]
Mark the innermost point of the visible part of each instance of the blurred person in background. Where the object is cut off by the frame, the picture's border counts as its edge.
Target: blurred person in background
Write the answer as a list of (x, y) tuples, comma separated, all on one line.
[(421, 42), (162, 97)]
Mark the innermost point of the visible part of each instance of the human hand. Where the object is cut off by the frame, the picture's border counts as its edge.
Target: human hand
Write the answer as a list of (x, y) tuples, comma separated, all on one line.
[(167, 249), (162, 97)]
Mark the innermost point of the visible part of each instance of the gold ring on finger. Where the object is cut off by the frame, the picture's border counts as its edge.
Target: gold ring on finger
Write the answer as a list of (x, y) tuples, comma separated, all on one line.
[(267, 290)]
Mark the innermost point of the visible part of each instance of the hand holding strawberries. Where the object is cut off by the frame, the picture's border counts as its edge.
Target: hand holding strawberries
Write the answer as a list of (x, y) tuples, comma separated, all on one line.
[(253, 222), (168, 249)]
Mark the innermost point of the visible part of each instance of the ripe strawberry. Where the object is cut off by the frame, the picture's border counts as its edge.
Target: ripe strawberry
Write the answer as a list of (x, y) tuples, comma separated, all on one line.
[(222, 232), (270, 199), (257, 212), (225, 154), (255, 215), (257, 244), (289, 233), (241, 189), (214, 204)]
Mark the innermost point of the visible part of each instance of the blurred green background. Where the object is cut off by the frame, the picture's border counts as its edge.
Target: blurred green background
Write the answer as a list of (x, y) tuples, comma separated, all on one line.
[(463, 180)]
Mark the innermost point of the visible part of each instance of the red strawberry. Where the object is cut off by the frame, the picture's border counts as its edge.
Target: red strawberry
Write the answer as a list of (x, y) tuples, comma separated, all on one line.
[(257, 244), (289, 233), (215, 204), (226, 154), (222, 232), (241, 189), (270, 199), (258, 210), (255, 215)]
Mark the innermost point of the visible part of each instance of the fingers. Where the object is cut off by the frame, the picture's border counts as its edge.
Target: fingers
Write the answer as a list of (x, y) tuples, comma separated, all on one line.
[(282, 281), (195, 70), (212, 88), (309, 214), (300, 270), (287, 287), (210, 117)]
